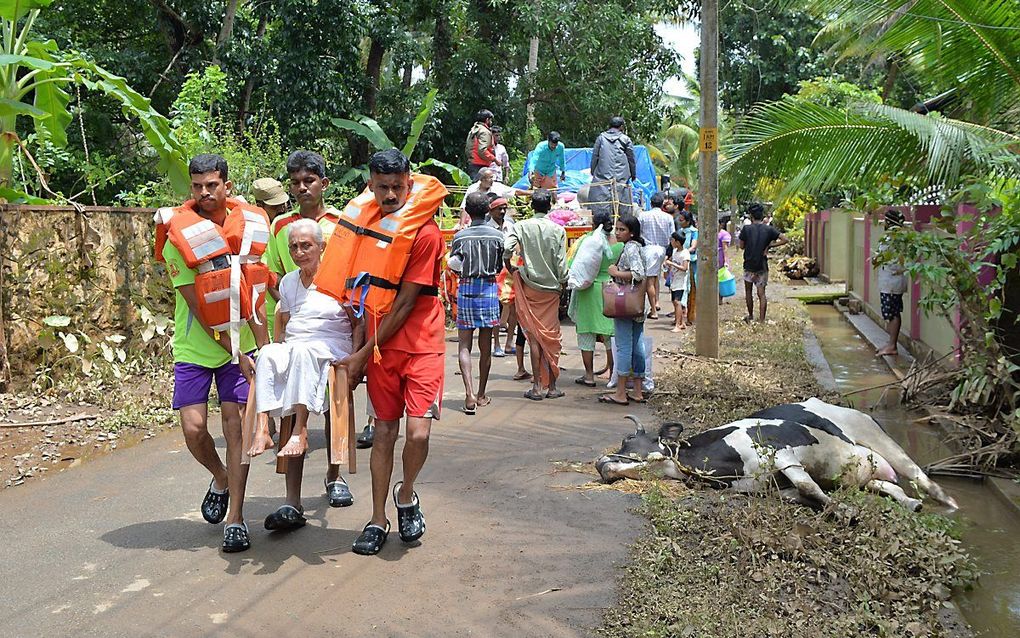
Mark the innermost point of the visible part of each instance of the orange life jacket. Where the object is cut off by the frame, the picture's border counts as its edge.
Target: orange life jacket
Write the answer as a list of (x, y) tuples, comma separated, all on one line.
[(365, 258), (231, 281)]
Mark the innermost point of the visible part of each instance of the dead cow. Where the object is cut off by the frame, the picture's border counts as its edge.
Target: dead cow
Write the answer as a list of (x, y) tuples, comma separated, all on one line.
[(801, 458)]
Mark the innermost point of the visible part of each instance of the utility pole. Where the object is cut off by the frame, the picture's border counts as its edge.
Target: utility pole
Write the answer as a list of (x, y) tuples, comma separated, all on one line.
[(706, 335)]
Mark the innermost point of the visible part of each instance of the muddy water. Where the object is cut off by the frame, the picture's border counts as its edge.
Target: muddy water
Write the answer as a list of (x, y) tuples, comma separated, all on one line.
[(990, 528)]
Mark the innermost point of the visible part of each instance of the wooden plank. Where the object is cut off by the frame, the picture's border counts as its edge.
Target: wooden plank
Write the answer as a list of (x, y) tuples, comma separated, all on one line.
[(341, 416), (286, 427), (249, 422)]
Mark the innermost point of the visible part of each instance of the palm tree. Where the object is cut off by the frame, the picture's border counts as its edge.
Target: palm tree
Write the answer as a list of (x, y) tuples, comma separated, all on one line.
[(971, 47)]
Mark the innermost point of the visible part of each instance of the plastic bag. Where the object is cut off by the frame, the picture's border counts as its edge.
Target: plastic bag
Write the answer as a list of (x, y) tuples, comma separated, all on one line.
[(587, 261)]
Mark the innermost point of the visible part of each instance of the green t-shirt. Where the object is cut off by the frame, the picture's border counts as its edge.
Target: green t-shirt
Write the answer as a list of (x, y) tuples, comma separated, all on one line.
[(195, 346), (277, 254)]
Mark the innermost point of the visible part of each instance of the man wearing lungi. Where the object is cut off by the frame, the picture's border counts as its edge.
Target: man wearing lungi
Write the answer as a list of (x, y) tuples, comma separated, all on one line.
[(477, 256), (543, 247)]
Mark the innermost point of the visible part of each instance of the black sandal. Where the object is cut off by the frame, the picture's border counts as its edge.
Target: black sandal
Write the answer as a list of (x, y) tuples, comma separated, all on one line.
[(410, 520), (339, 493), (285, 519), (534, 396), (585, 382), (214, 506), (235, 538), (371, 540)]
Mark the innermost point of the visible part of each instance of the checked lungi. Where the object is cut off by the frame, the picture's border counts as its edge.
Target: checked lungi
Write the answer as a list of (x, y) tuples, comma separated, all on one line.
[(477, 303)]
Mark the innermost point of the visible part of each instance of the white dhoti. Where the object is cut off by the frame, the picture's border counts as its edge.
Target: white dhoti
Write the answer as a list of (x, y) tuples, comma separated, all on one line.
[(296, 372), (291, 374)]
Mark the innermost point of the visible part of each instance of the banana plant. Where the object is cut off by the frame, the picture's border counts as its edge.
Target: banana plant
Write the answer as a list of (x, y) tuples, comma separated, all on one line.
[(34, 78), (369, 129)]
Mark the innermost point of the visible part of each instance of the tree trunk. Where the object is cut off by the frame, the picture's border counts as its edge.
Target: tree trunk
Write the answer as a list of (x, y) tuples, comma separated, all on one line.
[(890, 79), (406, 80), (442, 48), (5, 366), (359, 145), (228, 27), (249, 84)]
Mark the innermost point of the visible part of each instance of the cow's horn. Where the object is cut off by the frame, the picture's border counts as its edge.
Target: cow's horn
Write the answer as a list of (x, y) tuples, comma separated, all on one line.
[(640, 427)]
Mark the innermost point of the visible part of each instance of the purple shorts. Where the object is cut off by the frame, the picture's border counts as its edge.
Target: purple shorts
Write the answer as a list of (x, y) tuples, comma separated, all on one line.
[(192, 383)]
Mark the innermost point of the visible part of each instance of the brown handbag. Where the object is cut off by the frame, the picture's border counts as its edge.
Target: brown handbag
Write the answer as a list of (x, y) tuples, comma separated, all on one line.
[(623, 301)]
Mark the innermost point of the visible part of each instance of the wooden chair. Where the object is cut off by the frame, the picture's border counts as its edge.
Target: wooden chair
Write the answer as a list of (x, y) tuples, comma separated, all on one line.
[(341, 424)]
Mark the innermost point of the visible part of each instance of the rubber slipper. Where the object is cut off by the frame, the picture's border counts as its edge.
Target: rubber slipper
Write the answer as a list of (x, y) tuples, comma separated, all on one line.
[(605, 398), (214, 505), (410, 520), (470, 411), (371, 540), (483, 401), (499, 352), (366, 438), (641, 400), (510, 350), (534, 396), (236, 538), (522, 377), (585, 382), (286, 518), (555, 395), (338, 493)]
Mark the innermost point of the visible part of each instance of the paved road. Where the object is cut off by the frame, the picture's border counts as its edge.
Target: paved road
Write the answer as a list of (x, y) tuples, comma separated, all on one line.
[(117, 547)]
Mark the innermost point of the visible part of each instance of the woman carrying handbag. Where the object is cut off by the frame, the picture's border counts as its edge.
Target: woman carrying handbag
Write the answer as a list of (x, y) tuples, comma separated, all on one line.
[(625, 302)]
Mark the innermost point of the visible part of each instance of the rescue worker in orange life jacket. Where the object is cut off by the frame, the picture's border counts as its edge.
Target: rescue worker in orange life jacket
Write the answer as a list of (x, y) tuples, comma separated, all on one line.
[(200, 353), (384, 256)]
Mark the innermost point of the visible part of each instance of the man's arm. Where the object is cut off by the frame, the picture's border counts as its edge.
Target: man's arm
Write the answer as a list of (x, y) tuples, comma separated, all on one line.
[(595, 152), (628, 150), (511, 243), (404, 303), (561, 160)]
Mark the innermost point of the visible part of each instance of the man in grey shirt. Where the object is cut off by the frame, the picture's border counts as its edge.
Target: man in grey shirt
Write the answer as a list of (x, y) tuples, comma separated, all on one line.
[(477, 255)]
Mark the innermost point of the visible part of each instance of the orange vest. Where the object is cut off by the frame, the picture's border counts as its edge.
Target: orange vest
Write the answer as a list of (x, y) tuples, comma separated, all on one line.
[(365, 258), (231, 281)]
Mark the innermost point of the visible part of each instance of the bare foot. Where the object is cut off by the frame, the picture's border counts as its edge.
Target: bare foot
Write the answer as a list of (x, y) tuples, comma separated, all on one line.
[(677, 329), (263, 441), (483, 401), (886, 352), (297, 445)]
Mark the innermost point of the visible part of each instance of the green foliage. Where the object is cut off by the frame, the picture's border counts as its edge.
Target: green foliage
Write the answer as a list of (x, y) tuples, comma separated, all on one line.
[(369, 129), (30, 68), (833, 91), (815, 149), (965, 268), (200, 128), (967, 48), (764, 50)]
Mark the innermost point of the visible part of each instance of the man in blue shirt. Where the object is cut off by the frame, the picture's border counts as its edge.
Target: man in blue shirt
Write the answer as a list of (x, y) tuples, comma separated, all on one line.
[(548, 155)]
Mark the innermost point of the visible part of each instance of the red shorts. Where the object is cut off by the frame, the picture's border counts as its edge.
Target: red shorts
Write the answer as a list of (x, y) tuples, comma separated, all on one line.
[(404, 381)]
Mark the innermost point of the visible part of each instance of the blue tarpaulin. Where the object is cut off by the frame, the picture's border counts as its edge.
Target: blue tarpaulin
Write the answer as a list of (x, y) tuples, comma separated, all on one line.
[(579, 173)]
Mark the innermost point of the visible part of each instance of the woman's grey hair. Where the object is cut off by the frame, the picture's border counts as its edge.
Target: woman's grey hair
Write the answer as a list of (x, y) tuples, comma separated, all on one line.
[(308, 226)]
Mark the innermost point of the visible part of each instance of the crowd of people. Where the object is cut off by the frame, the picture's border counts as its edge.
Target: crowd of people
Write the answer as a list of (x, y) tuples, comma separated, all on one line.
[(275, 304)]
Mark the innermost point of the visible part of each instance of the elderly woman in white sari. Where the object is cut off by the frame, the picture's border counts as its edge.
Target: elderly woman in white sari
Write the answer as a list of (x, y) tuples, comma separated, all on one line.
[(291, 375)]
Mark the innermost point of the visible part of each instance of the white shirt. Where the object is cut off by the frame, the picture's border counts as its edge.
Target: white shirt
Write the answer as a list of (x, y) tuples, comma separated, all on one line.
[(292, 292), (499, 188)]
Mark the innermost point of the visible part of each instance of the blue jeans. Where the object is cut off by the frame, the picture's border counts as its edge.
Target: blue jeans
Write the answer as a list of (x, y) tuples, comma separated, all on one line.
[(630, 348)]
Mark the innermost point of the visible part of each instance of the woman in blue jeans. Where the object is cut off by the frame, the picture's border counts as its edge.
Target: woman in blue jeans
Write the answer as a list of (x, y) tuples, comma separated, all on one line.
[(630, 350)]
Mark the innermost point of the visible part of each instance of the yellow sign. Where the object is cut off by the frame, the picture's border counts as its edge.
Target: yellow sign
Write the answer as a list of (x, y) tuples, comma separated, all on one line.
[(709, 138)]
